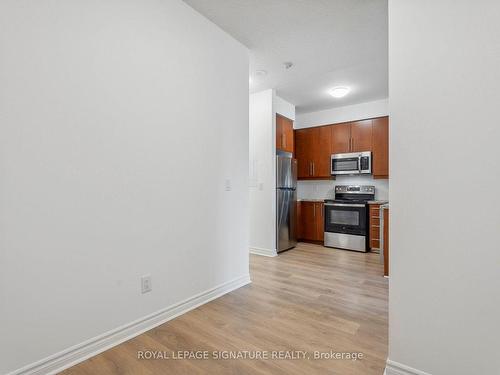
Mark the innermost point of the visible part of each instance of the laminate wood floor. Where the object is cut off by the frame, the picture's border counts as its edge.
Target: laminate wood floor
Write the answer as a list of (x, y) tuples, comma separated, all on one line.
[(307, 299)]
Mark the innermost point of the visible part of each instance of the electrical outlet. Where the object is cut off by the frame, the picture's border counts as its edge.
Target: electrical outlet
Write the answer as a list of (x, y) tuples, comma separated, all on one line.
[(146, 285)]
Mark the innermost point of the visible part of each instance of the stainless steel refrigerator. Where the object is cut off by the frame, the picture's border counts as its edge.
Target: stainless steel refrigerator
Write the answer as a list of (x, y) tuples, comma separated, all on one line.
[(286, 201)]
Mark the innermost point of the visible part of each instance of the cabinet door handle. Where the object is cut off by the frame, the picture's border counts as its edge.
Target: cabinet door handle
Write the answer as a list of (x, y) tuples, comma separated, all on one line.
[(284, 140), (314, 210), (312, 168)]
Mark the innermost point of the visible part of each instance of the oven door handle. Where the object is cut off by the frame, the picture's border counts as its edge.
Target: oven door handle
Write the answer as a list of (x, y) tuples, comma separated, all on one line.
[(345, 204)]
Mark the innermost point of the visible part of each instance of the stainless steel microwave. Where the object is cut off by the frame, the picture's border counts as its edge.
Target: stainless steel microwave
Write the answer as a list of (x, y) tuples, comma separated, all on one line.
[(352, 163)]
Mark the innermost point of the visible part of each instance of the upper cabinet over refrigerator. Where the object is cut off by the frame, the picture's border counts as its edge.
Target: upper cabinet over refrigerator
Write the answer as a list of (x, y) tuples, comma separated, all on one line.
[(284, 134)]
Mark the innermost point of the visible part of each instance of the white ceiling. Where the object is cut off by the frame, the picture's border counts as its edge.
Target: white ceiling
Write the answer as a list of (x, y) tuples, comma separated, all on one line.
[(330, 42)]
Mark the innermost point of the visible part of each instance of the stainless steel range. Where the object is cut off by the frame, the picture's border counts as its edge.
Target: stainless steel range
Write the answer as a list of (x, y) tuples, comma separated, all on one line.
[(346, 217)]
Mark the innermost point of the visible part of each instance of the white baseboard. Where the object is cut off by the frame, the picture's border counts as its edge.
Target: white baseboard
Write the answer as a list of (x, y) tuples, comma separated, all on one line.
[(395, 368), (78, 353), (263, 252)]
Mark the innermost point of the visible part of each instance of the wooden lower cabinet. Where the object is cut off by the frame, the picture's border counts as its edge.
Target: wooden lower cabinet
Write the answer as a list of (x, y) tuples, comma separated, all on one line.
[(310, 221), (386, 242), (374, 227), (320, 222), (376, 213)]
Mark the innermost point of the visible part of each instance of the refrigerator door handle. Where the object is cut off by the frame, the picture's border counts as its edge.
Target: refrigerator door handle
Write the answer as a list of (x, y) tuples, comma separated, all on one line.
[(294, 173)]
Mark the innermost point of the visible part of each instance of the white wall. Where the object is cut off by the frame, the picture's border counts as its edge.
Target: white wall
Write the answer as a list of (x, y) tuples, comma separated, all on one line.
[(120, 123), (325, 189), (353, 112), (262, 171), (283, 107), (445, 258), (262, 183)]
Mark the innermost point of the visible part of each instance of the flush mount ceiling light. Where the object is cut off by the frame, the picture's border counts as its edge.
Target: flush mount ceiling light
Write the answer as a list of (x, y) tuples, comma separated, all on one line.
[(260, 73), (339, 91)]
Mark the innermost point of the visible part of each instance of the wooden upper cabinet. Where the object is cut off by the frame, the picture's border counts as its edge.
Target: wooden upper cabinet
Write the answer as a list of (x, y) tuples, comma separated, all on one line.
[(313, 151), (284, 134), (314, 146), (288, 138), (380, 149), (361, 136), (303, 145), (352, 137), (279, 132), (341, 138), (322, 151)]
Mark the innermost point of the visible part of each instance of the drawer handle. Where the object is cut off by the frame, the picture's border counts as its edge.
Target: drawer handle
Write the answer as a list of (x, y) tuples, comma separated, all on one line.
[(375, 226)]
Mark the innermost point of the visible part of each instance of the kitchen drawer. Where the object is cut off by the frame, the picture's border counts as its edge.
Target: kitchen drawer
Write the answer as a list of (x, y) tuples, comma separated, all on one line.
[(374, 233), (374, 228)]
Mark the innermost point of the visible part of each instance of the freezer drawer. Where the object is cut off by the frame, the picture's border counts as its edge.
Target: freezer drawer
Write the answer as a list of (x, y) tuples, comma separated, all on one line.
[(345, 241)]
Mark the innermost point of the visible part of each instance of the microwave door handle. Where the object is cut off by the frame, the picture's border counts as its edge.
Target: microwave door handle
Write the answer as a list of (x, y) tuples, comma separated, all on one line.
[(359, 164)]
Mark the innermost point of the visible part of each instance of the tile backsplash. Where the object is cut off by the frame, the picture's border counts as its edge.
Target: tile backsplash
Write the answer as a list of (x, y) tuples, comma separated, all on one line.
[(324, 189)]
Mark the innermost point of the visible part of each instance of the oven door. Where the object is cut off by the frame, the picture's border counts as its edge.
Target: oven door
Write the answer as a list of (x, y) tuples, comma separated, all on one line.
[(348, 218)]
